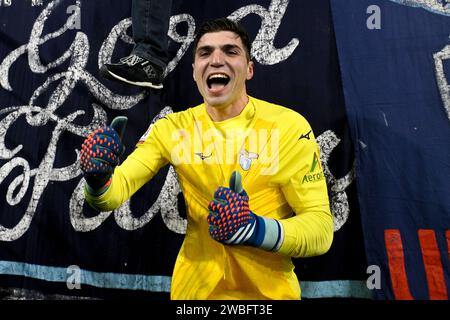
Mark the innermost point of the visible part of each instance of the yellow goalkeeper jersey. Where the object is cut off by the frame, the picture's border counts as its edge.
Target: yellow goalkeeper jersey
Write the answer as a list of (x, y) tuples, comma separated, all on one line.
[(276, 153)]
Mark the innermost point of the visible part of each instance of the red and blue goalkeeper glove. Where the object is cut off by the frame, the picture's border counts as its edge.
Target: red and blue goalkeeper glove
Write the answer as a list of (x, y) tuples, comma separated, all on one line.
[(232, 222), (100, 154)]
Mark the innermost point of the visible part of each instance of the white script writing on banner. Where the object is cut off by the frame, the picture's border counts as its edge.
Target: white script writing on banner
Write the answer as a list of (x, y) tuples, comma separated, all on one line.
[(8, 3), (436, 6), (59, 86), (441, 7)]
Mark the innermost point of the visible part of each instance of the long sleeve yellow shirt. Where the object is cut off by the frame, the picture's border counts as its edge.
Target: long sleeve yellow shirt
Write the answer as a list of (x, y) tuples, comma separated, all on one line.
[(275, 151)]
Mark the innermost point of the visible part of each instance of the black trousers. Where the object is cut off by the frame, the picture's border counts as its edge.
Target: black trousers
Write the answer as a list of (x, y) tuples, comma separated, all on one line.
[(150, 19)]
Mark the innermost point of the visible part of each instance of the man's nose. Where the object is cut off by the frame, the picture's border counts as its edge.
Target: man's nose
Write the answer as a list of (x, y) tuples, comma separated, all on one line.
[(217, 58)]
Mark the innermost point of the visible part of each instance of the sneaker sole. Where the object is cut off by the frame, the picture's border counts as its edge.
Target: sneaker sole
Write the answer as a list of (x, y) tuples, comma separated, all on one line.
[(113, 76)]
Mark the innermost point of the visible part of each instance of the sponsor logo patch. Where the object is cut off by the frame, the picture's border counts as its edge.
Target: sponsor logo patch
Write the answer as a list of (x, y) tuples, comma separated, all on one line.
[(315, 172), (145, 135)]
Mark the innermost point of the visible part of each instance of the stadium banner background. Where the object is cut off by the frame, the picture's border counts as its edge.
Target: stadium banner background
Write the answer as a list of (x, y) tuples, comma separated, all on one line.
[(52, 244), (394, 62)]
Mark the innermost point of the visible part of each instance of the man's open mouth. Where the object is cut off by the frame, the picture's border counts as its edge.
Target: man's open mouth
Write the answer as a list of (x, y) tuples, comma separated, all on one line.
[(217, 81)]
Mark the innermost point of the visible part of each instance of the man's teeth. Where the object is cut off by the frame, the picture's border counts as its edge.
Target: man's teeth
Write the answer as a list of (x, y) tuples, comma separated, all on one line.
[(217, 76)]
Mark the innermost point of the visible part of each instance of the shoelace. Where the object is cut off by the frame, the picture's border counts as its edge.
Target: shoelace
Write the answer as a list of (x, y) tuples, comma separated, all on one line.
[(131, 60)]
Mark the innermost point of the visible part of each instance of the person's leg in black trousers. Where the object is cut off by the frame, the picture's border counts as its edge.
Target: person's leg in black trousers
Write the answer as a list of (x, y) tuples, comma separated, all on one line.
[(145, 65)]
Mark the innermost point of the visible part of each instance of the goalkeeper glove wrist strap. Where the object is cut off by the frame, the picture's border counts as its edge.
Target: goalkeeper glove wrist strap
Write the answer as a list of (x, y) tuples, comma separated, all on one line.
[(98, 191), (269, 234)]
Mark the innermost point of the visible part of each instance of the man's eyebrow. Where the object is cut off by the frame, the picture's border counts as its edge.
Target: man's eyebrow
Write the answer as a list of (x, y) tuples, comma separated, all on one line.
[(204, 48), (224, 47), (230, 47)]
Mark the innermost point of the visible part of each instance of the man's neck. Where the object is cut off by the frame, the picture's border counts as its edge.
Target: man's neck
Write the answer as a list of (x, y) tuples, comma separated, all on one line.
[(222, 113)]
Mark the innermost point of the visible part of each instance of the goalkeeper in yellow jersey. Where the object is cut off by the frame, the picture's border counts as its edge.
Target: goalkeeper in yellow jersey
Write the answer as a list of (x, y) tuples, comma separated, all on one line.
[(249, 170)]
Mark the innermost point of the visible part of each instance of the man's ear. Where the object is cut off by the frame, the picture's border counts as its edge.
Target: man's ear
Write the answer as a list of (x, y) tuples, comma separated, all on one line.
[(193, 72), (250, 70)]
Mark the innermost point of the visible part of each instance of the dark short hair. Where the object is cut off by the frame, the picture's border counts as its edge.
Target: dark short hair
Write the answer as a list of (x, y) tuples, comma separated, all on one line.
[(224, 24)]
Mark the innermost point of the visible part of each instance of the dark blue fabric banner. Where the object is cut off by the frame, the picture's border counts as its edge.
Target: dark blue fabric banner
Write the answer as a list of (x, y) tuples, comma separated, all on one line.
[(52, 96), (394, 62)]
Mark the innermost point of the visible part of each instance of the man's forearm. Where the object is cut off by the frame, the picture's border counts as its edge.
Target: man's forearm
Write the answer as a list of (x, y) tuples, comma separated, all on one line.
[(308, 234)]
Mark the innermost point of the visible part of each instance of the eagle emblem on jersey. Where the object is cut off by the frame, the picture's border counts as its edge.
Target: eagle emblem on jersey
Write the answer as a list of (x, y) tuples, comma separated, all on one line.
[(245, 159)]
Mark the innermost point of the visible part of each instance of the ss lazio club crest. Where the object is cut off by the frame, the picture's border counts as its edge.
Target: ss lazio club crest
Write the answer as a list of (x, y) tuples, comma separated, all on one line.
[(245, 159)]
